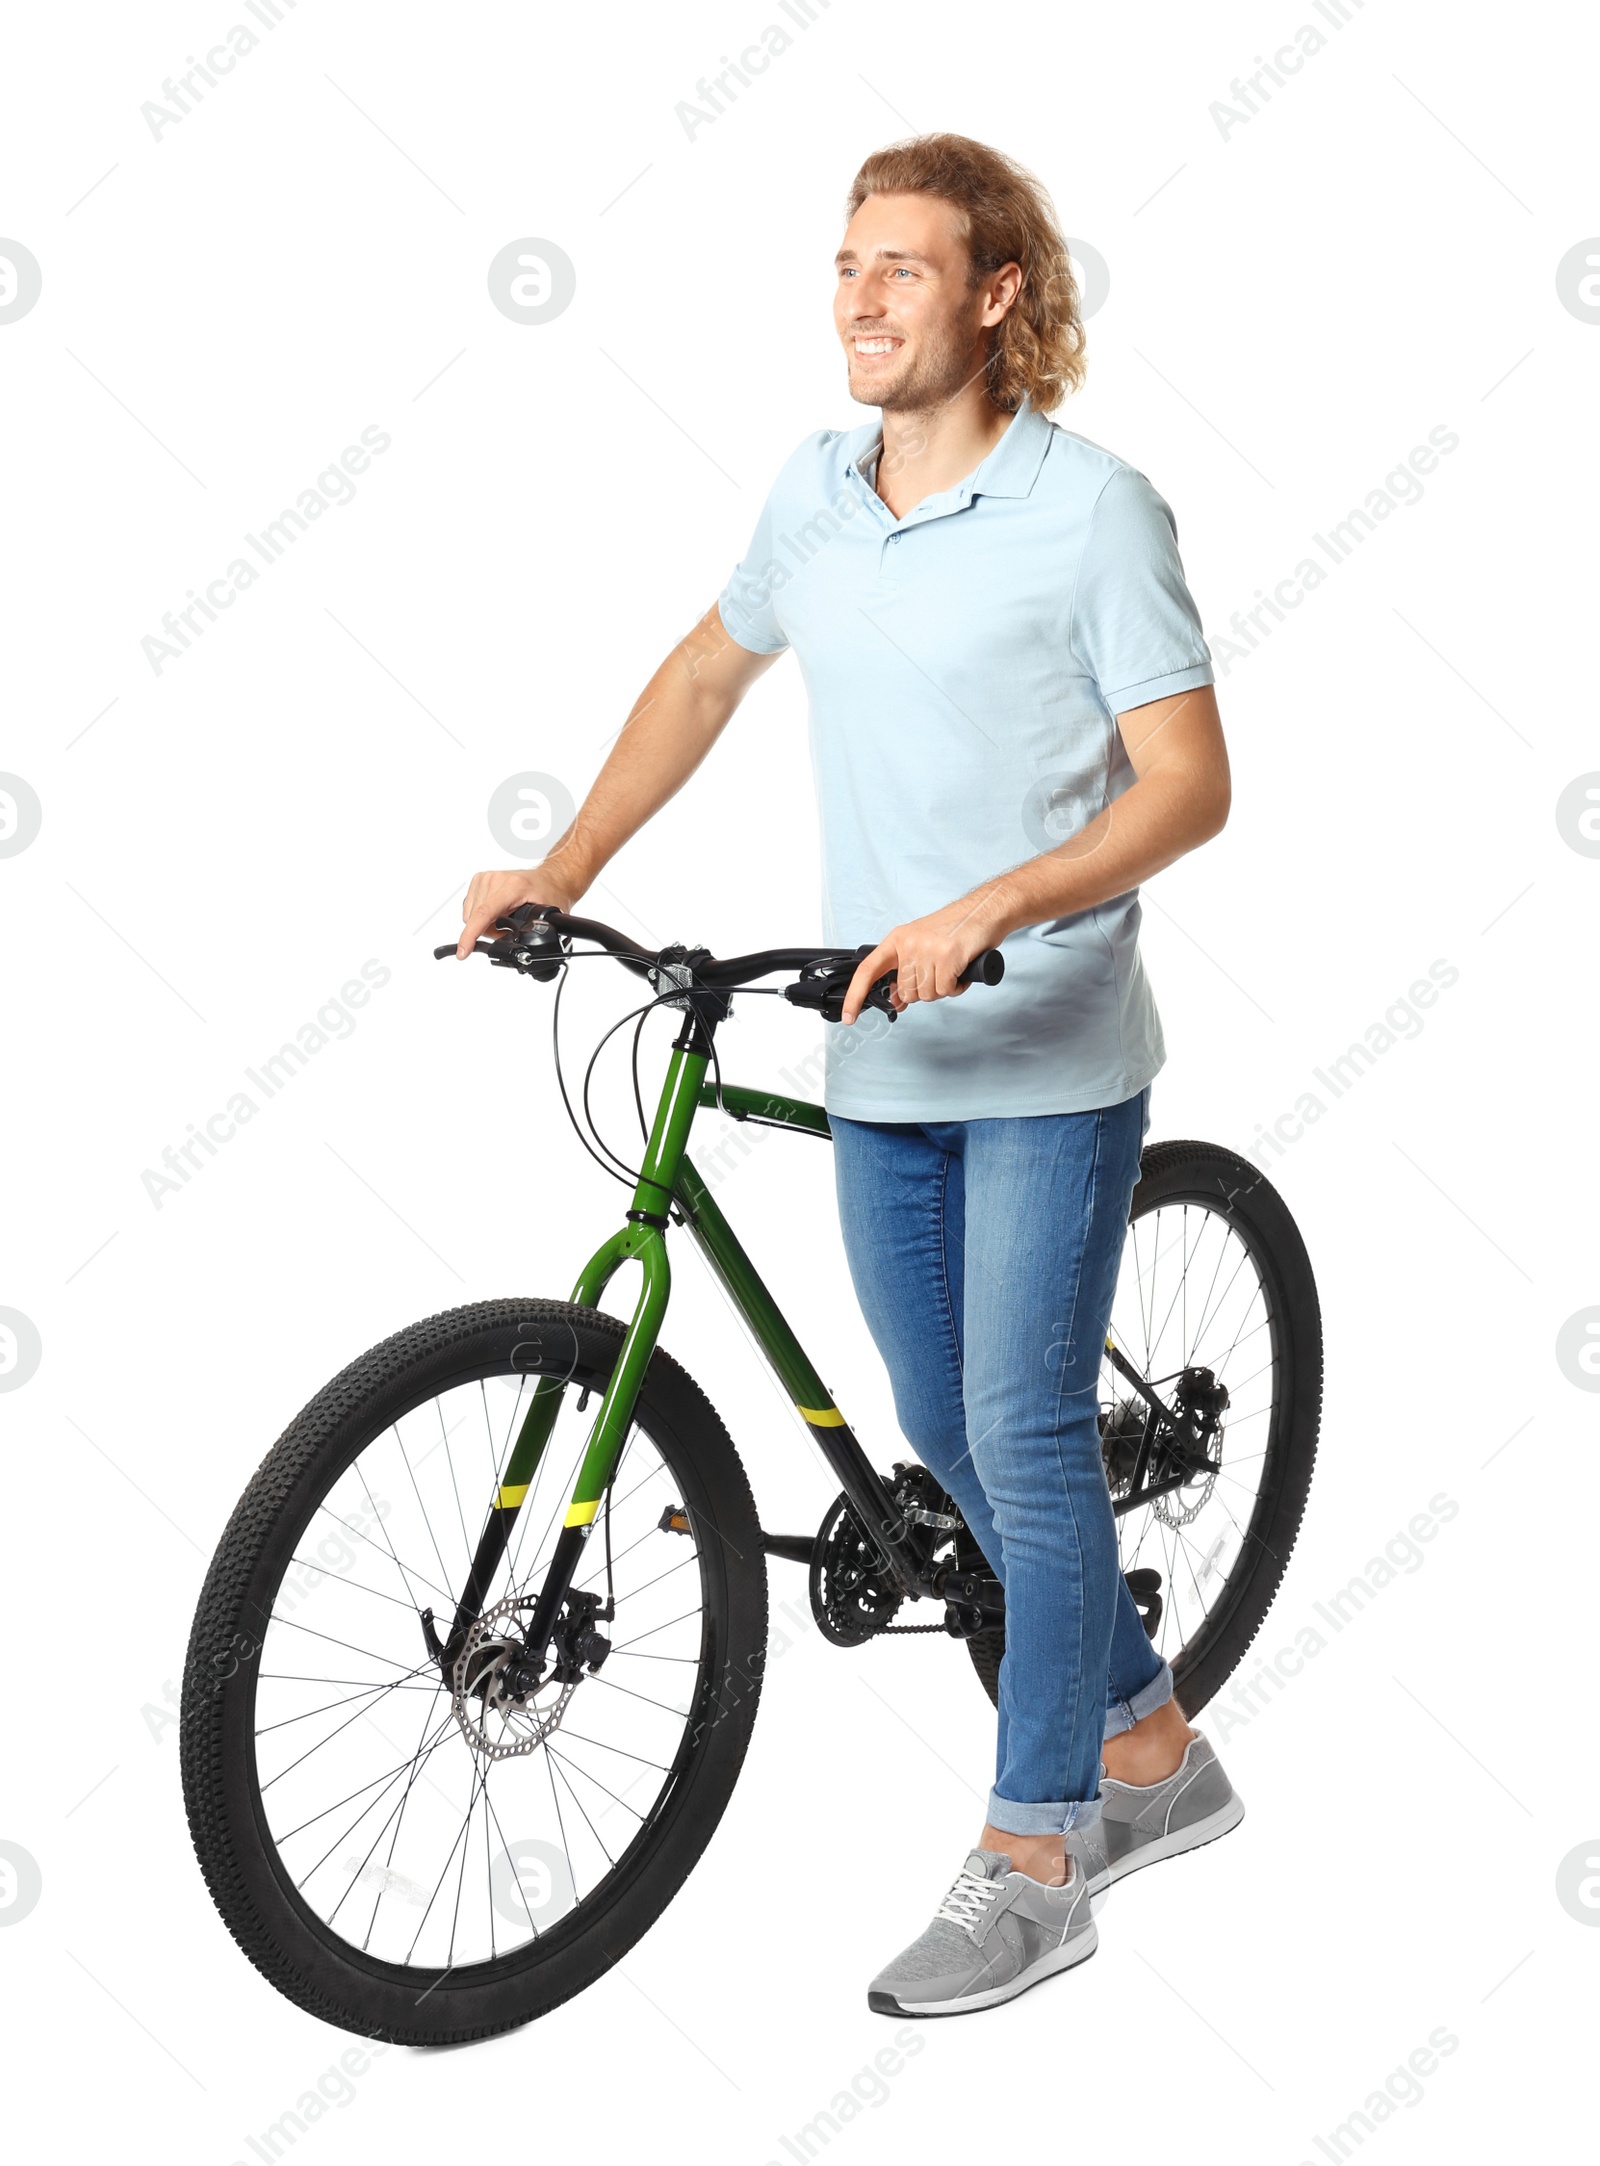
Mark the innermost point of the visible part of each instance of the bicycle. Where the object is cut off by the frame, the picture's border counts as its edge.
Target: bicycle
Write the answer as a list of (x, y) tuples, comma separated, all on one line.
[(434, 1800)]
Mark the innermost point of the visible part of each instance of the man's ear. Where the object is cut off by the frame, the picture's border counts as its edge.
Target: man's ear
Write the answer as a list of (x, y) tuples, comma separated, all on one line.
[(1007, 284)]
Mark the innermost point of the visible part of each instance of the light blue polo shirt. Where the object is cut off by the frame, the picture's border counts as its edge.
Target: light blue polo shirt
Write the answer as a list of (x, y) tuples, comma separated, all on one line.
[(965, 666)]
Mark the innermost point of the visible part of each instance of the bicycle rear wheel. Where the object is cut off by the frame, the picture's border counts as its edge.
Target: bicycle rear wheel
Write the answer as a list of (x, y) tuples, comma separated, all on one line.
[(1214, 1277), (394, 1854)]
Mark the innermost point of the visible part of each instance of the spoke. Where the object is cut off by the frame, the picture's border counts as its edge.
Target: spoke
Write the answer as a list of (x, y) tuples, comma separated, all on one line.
[(682, 1713), (297, 1677), (427, 1521), (1244, 1336), (1178, 1290), (542, 1555), (561, 1824), (512, 1428), (393, 1775), (382, 1552), (480, 1776), (444, 1869), (579, 1769), (618, 1555), (295, 1625), (488, 1438), (357, 1586), (1205, 1306), (450, 1462), (367, 1692), (530, 1501), (432, 1448), (539, 1547), (1244, 1258), (397, 1815), (366, 1488), (337, 1731), (1263, 1371), (488, 1873), (654, 1629), (634, 1593), (550, 1762), (516, 1876), (577, 1737)]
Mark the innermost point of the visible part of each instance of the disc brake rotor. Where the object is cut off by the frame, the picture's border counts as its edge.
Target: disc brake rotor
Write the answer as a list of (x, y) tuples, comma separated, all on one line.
[(496, 1725)]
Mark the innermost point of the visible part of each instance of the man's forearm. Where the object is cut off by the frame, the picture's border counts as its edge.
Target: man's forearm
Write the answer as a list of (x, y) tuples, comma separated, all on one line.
[(1157, 821)]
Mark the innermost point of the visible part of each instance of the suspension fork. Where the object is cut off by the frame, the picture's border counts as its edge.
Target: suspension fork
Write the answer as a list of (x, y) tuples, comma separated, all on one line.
[(642, 1241)]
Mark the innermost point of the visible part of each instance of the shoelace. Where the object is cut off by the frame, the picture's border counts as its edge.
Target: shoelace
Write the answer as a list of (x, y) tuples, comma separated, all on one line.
[(969, 1896)]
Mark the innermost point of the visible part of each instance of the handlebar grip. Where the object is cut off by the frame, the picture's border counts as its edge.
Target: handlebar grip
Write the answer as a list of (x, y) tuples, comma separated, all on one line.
[(987, 968)]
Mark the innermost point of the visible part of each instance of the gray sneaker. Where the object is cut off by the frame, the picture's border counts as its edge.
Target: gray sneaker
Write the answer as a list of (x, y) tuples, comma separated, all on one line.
[(1141, 1823), (995, 1934)]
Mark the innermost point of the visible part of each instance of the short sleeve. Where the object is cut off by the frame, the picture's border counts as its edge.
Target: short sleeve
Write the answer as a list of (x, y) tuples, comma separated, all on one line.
[(1134, 622), (746, 603)]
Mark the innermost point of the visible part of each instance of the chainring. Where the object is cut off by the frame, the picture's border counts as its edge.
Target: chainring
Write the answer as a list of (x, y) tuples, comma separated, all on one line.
[(854, 1593)]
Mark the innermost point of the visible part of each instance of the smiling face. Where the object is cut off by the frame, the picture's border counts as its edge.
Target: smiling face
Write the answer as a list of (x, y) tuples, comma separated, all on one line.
[(915, 328)]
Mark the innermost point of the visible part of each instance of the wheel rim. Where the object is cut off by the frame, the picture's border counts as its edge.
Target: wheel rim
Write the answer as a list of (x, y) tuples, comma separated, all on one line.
[(1193, 1293), (412, 1847)]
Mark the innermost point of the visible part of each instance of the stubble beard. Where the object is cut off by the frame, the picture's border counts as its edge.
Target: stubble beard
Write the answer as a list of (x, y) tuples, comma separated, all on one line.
[(928, 381)]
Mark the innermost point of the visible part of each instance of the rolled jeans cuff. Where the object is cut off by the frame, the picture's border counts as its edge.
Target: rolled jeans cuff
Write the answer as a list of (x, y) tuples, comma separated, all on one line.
[(1011, 1818), (1123, 1714)]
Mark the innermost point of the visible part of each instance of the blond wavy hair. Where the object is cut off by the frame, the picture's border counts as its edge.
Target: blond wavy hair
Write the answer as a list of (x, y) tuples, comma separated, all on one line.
[(1037, 348)]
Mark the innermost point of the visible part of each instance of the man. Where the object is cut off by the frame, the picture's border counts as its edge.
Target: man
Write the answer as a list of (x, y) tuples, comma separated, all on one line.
[(1012, 725)]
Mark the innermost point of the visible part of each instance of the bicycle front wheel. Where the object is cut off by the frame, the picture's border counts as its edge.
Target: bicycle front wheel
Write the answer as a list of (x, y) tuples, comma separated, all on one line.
[(392, 1852)]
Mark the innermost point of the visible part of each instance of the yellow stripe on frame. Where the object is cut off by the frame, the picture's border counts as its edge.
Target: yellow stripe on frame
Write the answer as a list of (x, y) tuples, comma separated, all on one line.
[(823, 1417), (509, 1495), (580, 1515)]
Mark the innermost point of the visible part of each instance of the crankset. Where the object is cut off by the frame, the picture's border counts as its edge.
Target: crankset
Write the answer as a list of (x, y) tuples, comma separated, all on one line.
[(855, 1593)]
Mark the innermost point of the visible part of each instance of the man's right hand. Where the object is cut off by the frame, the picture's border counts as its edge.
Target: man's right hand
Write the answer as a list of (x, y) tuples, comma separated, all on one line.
[(493, 894)]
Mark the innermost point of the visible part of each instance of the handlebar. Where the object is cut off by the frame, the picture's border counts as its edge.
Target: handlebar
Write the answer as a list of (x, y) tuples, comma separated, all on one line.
[(536, 942)]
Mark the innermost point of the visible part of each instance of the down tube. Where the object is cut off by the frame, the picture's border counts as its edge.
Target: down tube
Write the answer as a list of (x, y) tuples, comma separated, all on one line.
[(720, 1245)]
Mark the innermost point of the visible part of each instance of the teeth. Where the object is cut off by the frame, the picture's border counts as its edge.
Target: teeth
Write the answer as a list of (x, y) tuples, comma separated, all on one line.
[(876, 345)]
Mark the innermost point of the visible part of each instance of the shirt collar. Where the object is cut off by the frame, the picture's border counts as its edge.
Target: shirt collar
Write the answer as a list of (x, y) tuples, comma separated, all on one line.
[(1010, 469)]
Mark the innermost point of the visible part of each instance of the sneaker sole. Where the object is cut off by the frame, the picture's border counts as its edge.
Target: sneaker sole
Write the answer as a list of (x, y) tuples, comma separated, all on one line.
[(1077, 1950), (1195, 1837)]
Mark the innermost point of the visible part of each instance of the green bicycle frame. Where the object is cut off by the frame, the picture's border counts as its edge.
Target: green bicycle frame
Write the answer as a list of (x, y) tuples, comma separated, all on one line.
[(668, 1184)]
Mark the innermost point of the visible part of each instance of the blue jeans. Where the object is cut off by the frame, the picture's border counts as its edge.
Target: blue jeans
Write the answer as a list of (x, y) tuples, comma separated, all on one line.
[(985, 1255)]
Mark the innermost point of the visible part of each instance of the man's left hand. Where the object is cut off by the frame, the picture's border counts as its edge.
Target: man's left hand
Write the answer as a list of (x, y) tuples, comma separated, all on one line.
[(927, 957)]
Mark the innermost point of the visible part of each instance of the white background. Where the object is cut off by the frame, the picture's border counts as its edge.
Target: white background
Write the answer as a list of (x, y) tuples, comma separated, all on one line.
[(1292, 307)]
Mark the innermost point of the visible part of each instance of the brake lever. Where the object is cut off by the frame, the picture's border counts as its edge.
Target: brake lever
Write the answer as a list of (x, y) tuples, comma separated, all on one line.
[(527, 945), (823, 986)]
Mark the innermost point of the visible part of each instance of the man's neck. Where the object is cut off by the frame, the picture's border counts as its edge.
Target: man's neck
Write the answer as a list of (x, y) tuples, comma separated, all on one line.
[(927, 450)]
